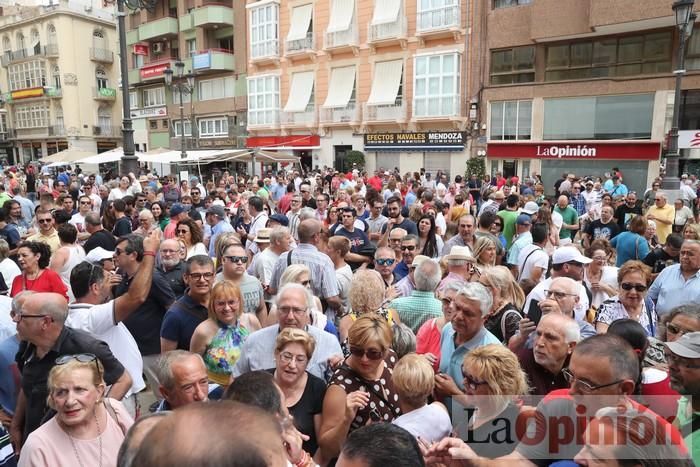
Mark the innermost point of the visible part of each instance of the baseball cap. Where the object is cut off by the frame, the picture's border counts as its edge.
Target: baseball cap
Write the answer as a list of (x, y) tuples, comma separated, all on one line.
[(568, 254), (523, 219), (688, 346), (217, 210), (280, 219), (178, 208), (98, 254), (530, 208)]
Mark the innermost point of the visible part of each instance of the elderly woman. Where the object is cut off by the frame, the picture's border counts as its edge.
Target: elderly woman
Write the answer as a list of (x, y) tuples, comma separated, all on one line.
[(428, 336), (631, 244), (683, 216), (414, 381), (361, 390), (147, 223), (68, 255), (219, 338), (599, 276), (303, 392), (691, 232), (631, 301), (34, 258), (88, 428), (493, 382), (126, 187), (485, 251), (508, 298), (191, 234), (650, 235)]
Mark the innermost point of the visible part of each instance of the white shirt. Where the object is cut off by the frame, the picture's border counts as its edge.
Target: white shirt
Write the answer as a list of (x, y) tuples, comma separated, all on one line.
[(537, 294), (536, 258), (258, 222), (98, 320)]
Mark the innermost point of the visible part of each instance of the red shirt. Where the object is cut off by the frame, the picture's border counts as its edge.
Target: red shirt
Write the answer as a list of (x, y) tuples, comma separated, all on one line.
[(375, 182), (48, 281), (285, 202)]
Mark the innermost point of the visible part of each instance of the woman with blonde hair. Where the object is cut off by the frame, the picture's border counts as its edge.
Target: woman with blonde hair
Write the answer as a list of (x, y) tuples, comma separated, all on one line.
[(485, 251), (691, 232), (88, 427), (414, 381), (219, 338), (508, 298)]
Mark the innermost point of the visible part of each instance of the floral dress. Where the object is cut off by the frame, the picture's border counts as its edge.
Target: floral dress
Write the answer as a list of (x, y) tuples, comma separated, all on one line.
[(223, 352)]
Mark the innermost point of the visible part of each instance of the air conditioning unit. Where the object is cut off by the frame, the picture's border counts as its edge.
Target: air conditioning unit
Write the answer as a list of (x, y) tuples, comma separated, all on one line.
[(158, 48)]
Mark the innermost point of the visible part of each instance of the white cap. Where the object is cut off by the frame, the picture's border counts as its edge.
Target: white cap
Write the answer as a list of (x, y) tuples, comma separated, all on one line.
[(530, 208), (567, 254), (98, 254)]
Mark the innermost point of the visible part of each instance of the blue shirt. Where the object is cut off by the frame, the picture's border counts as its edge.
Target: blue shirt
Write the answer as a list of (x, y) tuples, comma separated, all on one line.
[(671, 289), (400, 271), (180, 321), (9, 374), (629, 245), (221, 227), (451, 358)]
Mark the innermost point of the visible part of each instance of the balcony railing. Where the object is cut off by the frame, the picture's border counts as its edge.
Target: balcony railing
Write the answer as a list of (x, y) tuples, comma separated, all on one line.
[(305, 118), (9, 57), (265, 49), (53, 92), (57, 130), (347, 38), (379, 113), (300, 45), (104, 94), (347, 114), (51, 50), (103, 130), (438, 18), (7, 134), (101, 55), (394, 30)]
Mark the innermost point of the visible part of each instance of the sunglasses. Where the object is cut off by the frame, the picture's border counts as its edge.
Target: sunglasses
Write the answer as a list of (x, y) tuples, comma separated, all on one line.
[(638, 287), (385, 261), (408, 247), (371, 354), (44, 221), (85, 202), (236, 259), (82, 358)]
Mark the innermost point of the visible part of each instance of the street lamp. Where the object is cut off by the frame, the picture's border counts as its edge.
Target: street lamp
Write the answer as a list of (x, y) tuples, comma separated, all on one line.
[(184, 85), (685, 20)]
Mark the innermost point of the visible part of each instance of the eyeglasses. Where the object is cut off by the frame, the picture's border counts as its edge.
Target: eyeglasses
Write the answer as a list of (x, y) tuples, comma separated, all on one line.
[(585, 385), (44, 221), (371, 354), (673, 329), (285, 310), (471, 382), (287, 358), (86, 202), (385, 261), (182, 231), (600, 258), (680, 361), (558, 295), (408, 247), (199, 275), (19, 316), (236, 259), (234, 304), (638, 287)]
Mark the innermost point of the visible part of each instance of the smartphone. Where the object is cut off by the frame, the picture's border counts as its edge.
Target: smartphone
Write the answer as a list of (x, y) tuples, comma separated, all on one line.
[(534, 312)]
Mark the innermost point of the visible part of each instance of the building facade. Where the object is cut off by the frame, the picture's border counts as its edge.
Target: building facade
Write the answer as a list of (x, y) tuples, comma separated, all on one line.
[(580, 86), (390, 78), (209, 37), (59, 80)]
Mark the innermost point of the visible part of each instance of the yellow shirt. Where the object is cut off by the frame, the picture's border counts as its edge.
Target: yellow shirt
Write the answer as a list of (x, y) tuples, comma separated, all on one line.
[(667, 213), (51, 240)]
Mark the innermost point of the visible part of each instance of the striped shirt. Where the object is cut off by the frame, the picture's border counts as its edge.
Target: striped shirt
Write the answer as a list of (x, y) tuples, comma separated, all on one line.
[(417, 309), (323, 280)]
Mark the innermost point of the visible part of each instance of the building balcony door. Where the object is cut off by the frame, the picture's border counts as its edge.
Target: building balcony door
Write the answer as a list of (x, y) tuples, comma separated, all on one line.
[(341, 163)]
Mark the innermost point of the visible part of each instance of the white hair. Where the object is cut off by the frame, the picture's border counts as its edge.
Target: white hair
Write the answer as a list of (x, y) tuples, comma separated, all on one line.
[(294, 286), (478, 293)]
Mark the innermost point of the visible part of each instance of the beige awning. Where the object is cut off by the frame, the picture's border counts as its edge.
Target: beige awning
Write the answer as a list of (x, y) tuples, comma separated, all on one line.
[(341, 86), (342, 12), (68, 155), (386, 11), (301, 20), (387, 79), (300, 91)]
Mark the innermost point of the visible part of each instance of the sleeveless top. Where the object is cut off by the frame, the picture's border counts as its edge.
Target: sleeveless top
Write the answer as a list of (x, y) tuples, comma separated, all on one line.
[(76, 256), (223, 352)]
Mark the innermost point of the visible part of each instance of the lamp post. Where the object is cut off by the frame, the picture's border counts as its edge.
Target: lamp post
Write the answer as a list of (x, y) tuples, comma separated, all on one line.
[(129, 161), (685, 20), (184, 85)]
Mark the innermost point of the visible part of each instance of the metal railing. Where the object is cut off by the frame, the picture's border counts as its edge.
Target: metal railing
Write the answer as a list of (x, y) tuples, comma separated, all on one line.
[(266, 49), (394, 30), (105, 94), (9, 57), (101, 55), (438, 18), (334, 39), (57, 130), (300, 45), (307, 117), (378, 113), (347, 114)]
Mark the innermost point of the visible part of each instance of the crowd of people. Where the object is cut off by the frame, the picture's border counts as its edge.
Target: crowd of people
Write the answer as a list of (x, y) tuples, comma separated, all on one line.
[(353, 319)]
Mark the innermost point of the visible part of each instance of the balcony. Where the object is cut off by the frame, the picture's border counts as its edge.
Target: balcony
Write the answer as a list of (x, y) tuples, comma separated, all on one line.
[(386, 112), (212, 16), (439, 22), (300, 47), (388, 33), (159, 28), (307, 118), (57, 130), (6, 134), (104, 94), (341, 115), (342, 41), (106, 131), (213, 59), (101, 55), (9, 57), (53, 93), (265, 52), (51, 50)]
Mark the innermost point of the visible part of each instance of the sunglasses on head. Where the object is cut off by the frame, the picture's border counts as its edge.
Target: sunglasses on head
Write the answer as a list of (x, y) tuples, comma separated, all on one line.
[(371, 354)]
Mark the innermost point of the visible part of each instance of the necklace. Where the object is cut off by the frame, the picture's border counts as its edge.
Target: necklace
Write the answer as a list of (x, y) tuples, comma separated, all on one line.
[(99, 439)]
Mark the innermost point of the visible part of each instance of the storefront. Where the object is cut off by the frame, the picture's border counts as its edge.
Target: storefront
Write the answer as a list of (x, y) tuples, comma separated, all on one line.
[(432, 150), (637, 160), (301, 146)]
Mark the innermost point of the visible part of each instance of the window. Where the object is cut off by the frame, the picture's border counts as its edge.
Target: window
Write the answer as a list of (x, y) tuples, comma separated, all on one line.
[(101, 78), (511, 120), (36, 42), (6, 45), (20, 41), (599, 117), (25, 75), (226, 43), (213, 127), (137, 61), (191, 46), (104, 120), (153, 97), (56, 77), (616, 56), (437, 14), (153, 124), (507, 3), (264, 31), (60, 124), (186, 98), (51, 35), (176, 128), (98, 39), (263, 100), (692, 61), (218, 88), (134, 99), (436, 85), (32, 116), (516, 65)]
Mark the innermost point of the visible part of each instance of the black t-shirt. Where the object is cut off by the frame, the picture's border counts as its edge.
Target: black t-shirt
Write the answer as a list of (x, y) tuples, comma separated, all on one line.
[(408, 225), (624, 214), (122, 227), (100, 238), (658, 260), (144, 323), (475, 189), (175, 279), (31, 183), (35, 371), (597, 229)]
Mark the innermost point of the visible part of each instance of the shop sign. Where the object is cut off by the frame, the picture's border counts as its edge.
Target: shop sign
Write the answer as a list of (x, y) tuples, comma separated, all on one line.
[(149, 112), (154, 71), (638, 150), (140, 49), (420, 141), (217, 142), (689, 139), (283, 141), (201, 61)]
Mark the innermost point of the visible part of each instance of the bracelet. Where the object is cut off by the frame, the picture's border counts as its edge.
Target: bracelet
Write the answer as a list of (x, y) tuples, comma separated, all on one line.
[(303, 461), (149, 253)]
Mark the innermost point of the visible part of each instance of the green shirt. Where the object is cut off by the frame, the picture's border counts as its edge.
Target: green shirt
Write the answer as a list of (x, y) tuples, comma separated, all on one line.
[(417, 308), (570, 217), (508, 218), (685, 421)]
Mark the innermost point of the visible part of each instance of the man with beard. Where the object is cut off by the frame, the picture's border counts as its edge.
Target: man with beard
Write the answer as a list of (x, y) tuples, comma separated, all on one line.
[(358, 239), (604, 228), (628, 210), (172, 267), (396, 220)]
